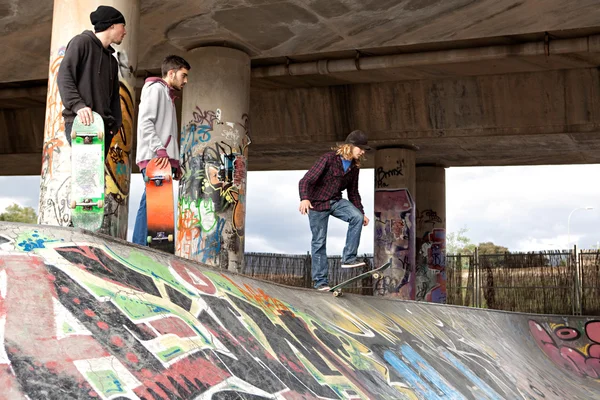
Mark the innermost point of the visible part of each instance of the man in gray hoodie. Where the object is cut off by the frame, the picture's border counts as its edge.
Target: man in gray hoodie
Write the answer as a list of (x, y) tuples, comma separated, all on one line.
[(157, 129), (88, 77)]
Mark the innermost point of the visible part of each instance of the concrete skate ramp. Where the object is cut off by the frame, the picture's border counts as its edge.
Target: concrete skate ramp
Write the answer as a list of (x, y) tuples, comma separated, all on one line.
[(85, 316)]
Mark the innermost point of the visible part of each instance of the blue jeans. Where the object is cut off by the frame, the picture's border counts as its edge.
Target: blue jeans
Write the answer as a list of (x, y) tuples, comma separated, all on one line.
[(140, 229), (319, 220)]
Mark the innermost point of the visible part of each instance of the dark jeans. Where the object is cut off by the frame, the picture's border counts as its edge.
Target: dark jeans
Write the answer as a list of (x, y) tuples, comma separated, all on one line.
[(140, 229), (107, 136), (319, 220)]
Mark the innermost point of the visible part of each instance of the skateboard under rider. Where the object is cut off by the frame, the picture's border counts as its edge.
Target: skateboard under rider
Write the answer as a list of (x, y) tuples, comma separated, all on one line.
[(159, 206), (376, 273), (87, 173)]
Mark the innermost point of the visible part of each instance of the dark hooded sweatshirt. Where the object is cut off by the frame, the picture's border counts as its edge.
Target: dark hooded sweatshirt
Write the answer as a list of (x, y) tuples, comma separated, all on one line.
[(88, 76)]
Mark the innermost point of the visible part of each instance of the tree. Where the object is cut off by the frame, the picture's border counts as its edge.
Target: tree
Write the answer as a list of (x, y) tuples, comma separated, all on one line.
[(16, 213), (458, 242), (491, 248)]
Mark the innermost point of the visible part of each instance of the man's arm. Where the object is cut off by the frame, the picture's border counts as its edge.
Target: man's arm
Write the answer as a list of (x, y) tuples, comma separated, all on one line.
[(311, 177), (353, 194), (147, 115), (67, 75)]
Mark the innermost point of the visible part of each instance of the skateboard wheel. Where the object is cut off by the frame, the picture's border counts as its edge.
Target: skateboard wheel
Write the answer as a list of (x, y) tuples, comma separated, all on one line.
[(149, 239), (337, 293), (100, 135), (146, 179), (73, 204), (170, 238), (376, 276), (168, 178), (73, 135)]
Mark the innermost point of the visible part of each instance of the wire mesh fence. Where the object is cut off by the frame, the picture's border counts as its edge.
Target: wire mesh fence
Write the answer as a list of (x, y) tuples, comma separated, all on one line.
[(547, 282)]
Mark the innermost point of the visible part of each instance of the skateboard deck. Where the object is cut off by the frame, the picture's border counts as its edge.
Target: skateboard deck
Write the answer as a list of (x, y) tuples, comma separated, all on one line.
[(159, 206), (376, 273), (87, 174)]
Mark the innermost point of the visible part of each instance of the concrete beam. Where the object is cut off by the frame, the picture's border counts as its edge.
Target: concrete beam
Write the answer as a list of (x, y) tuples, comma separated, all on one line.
[(542, 55), (23, 97)]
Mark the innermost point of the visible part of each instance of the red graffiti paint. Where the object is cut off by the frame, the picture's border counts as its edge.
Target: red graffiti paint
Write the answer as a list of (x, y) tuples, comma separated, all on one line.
[(569, 356)]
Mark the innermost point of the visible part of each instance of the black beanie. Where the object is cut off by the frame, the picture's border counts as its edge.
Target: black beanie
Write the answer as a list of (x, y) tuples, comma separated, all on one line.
[(104, 17)]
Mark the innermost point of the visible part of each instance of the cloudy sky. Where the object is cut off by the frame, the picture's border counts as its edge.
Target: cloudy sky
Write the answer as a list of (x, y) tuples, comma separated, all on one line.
[(522, 208)]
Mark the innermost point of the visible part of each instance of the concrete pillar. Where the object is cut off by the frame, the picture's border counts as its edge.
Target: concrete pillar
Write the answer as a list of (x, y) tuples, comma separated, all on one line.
[(431, 233), (395, 220), (70, 18), (214, 149)]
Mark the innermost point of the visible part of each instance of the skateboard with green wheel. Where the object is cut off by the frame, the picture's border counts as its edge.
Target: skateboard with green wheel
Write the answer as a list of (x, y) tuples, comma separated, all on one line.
[(376, 273), (87, 174)]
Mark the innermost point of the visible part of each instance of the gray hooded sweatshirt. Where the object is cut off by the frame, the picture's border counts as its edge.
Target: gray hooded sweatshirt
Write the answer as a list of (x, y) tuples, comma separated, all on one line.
[(157, 124)]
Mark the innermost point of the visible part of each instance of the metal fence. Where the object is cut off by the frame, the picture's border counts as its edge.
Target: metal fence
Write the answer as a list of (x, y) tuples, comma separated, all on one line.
[(295, 270), (548, 282)]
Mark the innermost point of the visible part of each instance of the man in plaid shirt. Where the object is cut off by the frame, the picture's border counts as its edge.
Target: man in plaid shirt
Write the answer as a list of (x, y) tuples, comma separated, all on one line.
[(321, 196)]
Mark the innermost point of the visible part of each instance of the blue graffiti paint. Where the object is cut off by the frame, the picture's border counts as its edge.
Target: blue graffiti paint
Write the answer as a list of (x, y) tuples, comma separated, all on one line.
[(121, 169), (212, 246), (415, 382), (35, 242), (204, 133), (171, 354), (478, 382), (427, 371), (118, 388)]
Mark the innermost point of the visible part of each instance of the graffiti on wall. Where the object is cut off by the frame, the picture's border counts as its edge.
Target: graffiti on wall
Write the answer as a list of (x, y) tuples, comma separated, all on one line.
[(212, 190), (431, 258), (116, 322), (395, 239), (117, 171), (574, 348), (55, 176), (117, 166), (382, 174)]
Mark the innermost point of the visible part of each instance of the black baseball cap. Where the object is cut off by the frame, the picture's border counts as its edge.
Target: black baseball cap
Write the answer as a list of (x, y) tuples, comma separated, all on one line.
[(358, 138)]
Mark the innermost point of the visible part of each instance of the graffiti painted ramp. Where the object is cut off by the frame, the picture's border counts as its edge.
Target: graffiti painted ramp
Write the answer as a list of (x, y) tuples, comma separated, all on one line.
[(90, 317)]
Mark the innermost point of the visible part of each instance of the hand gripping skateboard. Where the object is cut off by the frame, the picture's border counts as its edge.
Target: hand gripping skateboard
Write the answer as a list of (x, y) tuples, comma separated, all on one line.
[(376, 273), (87, 173), (159, 207)]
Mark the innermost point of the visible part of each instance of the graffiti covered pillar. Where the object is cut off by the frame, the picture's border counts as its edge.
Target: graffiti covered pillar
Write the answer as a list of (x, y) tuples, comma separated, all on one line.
[(395, 220), (71, 17), (214, 144), (117, 168), (431, 233)]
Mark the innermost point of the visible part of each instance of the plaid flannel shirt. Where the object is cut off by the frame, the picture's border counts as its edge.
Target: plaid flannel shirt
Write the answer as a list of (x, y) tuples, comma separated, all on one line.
[(326, 180)]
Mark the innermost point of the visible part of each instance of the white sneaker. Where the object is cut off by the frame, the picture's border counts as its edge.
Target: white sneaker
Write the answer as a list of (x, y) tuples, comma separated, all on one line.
[(353, 264), (323, 288)]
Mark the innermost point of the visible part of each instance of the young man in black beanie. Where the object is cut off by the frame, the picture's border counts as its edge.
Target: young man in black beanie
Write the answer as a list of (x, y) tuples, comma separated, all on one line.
[(88, 77)]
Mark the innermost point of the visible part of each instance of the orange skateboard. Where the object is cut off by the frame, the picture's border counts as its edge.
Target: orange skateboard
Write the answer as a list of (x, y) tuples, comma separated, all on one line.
[(159, 207)]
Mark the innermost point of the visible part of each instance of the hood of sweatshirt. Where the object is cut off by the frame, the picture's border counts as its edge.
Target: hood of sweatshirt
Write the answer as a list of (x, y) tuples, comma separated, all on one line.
[(101, 48), (155, 79)]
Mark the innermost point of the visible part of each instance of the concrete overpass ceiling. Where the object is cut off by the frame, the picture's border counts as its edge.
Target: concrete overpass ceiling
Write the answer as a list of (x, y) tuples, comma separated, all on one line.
[(479, 54), (271, 30)]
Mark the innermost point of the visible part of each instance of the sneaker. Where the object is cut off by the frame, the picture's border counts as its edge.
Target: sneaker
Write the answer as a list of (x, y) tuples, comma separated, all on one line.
[(353, 264), (323, 288)]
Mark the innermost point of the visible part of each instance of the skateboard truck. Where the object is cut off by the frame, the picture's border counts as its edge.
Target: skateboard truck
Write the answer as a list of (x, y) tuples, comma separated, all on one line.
[(158, 180), (87, 204), (87, 137), (160, 237)]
